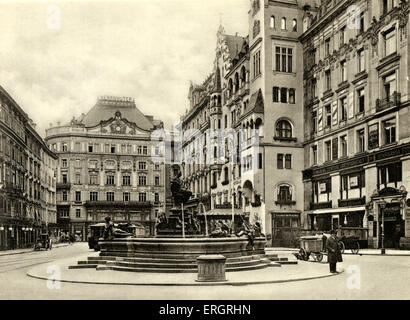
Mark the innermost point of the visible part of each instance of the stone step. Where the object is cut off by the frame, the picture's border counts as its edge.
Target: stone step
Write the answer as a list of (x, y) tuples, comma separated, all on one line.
[(165, 260), (180, 265), (288, 262), (170, 270), (275, 264), (83, 266), (192, 256)]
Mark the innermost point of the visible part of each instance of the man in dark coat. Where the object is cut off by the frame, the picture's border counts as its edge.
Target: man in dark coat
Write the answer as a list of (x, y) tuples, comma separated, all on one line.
[(333, 251)]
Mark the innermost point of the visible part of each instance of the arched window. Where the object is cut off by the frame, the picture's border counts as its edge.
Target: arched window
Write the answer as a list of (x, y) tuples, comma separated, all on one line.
[(295, 25), (283, 24), (226, 174), (243, 75), (230, 87), (284, 193), (236, 82), (283, 129), (272, 22)]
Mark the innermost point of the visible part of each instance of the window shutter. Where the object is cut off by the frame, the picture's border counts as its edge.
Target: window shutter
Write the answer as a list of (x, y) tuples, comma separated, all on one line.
[(335, 148), (350, 105), (334, 112), (320, 119)]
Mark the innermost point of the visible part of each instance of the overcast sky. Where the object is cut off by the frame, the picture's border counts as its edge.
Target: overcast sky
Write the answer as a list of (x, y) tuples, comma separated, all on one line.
[(145, 49)]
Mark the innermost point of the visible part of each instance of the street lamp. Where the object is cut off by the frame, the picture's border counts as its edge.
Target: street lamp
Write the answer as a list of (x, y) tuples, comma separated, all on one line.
[(382, 207)]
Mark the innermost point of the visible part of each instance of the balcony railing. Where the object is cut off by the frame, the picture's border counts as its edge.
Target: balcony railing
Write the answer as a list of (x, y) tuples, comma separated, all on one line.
[(63, 186), (321, 205), (352, 202), (224, 206), (146, 204), (285, 203), (388, 102)]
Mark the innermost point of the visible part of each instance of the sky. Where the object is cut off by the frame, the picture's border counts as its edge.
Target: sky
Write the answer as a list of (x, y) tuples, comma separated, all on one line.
[(56, 58)]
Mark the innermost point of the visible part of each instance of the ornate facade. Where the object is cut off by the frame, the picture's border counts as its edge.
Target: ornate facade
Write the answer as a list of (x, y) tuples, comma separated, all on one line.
[(108, 166), (27, 178), (357, 136), (255, 96)]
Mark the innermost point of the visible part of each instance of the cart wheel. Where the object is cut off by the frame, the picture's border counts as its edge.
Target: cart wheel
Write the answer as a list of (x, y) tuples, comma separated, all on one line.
[(319, 257), (303, 254), (356, 248), (342, 247)]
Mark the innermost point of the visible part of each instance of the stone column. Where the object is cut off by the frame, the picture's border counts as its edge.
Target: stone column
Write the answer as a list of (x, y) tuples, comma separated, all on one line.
[(335, 195)]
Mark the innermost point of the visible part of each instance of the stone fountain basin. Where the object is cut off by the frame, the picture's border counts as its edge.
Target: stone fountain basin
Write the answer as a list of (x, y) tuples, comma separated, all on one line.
[(181, 248)]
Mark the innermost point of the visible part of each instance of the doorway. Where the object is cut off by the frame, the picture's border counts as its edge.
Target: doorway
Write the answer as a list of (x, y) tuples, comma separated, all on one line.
[(393, 230)]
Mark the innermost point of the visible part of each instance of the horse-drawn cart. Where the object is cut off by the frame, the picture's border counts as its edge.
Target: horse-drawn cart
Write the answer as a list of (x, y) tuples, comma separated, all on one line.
[(314, 246)]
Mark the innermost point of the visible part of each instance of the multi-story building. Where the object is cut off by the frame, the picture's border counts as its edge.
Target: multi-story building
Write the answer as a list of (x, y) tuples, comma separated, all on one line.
[(27, 183), (108, 166), (357, 133), (256, 97)]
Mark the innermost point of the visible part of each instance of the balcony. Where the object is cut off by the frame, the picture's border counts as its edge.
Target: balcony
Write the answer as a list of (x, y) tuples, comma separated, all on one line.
[(61, 186), (321, 205), (285, 203), (118, 204), (224, 206), (352, 202), (388, 102), (285, 139)]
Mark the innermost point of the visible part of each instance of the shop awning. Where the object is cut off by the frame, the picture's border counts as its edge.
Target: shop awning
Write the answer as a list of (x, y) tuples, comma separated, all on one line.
[(337, 210)]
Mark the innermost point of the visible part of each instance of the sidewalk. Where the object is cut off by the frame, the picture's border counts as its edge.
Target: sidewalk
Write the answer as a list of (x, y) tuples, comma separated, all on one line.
[(21, 251), (365, 252)]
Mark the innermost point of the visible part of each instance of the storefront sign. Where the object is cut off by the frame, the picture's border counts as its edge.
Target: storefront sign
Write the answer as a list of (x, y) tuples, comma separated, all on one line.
[(287, 215), (322, 187), (391, 210), (354, 182)]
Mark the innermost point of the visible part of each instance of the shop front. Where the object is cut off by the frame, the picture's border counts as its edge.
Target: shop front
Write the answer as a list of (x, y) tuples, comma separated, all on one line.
[(388, 217), (349, 222), (285, 229)]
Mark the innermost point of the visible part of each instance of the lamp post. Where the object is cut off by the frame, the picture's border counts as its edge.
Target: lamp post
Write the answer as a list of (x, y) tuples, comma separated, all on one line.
[(382, 207), (205, 216)]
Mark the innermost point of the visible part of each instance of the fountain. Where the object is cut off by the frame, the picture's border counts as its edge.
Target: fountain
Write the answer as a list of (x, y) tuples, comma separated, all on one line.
[(179, 242)]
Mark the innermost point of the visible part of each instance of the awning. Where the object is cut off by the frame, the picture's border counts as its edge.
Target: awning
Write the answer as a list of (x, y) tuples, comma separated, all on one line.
[(337, 210)]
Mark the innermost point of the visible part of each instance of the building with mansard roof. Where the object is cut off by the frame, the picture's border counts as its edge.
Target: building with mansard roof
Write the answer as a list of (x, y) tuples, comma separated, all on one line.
[(109, 166)]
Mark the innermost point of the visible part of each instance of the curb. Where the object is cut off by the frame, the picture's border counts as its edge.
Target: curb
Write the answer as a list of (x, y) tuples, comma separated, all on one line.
[(193, 284), (349, 253), (28, 251)]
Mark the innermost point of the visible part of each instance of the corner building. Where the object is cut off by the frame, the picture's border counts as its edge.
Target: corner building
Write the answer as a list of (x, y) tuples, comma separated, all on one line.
[(27, 178), (256, 91), (356, 111), (109, 166)]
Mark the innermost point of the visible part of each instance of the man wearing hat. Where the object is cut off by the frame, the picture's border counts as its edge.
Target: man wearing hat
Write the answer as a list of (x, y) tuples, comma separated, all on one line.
[(333, 251)]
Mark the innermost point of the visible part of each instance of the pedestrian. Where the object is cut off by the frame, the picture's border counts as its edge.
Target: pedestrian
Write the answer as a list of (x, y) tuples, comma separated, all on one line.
[(333, 251)]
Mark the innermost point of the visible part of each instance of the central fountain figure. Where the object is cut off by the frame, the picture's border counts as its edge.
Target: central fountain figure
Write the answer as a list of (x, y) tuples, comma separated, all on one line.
[(179, 221)]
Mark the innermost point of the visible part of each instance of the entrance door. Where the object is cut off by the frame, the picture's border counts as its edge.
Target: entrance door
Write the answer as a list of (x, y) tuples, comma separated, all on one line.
[(285, 230), (393, 230), (335, 223)]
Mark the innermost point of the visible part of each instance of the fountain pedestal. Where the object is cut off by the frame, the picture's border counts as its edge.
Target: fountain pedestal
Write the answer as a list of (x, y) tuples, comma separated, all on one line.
[(211, 268)]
